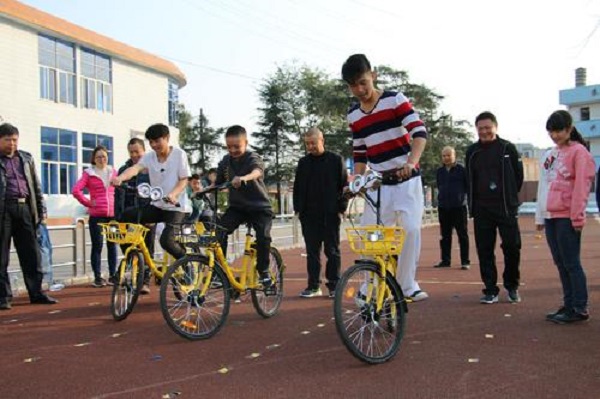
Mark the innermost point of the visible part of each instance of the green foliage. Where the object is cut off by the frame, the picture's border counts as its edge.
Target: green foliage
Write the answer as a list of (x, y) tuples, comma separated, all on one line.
[(200, 141), (296, 98)]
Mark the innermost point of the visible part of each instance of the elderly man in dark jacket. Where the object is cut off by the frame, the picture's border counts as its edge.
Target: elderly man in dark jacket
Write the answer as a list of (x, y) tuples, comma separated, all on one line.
[(452, 184), (22, 208), (320, 179)]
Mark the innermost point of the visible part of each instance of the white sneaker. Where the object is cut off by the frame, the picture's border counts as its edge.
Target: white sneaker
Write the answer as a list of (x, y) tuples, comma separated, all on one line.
[(418, 296), (56, 287)]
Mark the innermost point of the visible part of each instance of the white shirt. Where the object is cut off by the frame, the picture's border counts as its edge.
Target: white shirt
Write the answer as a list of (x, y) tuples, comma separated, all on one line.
[(166, 175)]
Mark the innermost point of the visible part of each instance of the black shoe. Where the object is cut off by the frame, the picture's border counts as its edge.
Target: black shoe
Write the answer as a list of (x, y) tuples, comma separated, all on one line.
[(5, 306), (44, 300), (550, 316), (465, 265), (442, 264), (570, 316), (513, 296)]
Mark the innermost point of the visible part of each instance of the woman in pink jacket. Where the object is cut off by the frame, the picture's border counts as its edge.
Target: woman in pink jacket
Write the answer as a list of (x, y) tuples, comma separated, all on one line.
[(101, 208), (565, 182)]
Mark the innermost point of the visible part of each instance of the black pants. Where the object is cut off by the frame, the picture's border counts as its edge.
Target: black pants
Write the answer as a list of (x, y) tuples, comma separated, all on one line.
[(261, 220), (18, 224), (321, 230), (152, 214), (453, 219), (486, 224)]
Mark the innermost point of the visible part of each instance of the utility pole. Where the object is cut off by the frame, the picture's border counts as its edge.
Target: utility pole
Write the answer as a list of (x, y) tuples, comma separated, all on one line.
[(201, 136)]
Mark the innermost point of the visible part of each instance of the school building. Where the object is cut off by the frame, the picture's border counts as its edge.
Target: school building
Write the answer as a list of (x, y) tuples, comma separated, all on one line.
[(583, 103), (68, 89)]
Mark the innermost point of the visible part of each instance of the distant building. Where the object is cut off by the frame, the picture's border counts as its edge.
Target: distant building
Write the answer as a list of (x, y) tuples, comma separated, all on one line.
[(583, 103), (69, 89)]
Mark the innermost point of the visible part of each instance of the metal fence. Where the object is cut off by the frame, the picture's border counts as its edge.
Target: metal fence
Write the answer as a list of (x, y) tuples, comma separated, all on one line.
[(70, 244)]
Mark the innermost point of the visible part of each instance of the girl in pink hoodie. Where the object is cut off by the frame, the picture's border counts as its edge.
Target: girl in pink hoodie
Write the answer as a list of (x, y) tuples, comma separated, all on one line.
[(567, 172), (101, 208)]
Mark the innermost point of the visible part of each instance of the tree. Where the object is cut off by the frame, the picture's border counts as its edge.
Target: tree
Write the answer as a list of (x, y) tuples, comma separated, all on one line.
[(200, 141), (441, 129), (278, 122)]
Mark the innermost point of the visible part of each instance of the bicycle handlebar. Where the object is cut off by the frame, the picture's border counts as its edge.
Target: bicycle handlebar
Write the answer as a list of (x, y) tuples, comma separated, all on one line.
[(209, 190), (146, 191)]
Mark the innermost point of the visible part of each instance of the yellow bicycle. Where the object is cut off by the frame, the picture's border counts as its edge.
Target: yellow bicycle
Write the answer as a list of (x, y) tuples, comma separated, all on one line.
[(369, 305), (196, 290), (130, 272)]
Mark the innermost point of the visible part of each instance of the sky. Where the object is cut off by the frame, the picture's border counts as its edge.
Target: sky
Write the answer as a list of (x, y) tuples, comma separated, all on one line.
[(509, 57)]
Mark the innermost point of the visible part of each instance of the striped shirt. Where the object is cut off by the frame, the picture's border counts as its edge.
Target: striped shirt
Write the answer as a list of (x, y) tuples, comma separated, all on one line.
[(381, 138)]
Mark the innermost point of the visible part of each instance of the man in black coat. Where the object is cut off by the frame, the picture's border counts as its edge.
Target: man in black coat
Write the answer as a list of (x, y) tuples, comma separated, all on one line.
[(495, 175), (318, 187), (22, 209), (451, 181)]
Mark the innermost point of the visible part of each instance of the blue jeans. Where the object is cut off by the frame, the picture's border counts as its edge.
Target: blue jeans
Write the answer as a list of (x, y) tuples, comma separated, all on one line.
[(565, 244), (97, 240), (43, 238)]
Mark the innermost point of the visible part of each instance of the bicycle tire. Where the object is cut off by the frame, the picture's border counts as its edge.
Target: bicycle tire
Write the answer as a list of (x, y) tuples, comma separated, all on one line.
[(188, 313), (369, 336), (268, 305), (126, 291)]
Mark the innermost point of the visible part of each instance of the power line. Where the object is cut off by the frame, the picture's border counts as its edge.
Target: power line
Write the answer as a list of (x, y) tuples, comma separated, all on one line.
[(240, 75), (245, 26)]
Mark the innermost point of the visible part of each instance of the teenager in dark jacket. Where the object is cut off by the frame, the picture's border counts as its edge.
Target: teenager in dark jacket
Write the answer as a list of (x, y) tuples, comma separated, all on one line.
[(495, 175), (320, 179)]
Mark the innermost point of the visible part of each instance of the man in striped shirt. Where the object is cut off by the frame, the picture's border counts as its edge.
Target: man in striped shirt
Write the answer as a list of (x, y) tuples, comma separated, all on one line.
[(389, 137)]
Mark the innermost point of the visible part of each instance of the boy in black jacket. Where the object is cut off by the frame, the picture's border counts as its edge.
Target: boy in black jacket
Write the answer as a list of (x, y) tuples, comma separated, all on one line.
[(320, 179)]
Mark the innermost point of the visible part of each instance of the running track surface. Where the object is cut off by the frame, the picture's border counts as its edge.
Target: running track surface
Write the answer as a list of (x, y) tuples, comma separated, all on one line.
[(453, 346)]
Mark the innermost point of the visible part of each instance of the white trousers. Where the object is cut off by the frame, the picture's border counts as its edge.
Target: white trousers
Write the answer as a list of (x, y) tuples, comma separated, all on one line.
[(402, 205)]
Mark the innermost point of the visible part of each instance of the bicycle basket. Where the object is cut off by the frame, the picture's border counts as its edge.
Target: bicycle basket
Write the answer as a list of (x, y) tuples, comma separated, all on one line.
[(124, 233), (376, 240)]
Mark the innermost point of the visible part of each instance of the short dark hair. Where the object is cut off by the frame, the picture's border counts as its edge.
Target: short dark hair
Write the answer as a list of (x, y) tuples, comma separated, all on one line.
[(211, 170), (135, 141), (157, 131), (235, 131), (486, 115), (6, 129), (355, 66), (194, 176), (97, 149)]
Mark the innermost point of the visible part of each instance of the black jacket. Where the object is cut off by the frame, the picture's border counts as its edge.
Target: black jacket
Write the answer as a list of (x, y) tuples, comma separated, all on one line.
[(335, 178), (36, 203), (452, 186), (124, 200), (511, 168)]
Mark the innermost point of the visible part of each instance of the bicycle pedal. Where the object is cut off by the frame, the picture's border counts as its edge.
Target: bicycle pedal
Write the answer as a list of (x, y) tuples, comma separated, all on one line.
[(271, 290)]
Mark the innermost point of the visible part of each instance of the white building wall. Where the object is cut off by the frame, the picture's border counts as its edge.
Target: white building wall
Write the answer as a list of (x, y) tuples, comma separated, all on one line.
[(140, 99)]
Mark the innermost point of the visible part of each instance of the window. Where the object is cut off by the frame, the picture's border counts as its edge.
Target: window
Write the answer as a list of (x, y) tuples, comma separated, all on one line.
[(96, 79), (173, 102), (585, 113), (57, 70), (89, 141), (59, 160)]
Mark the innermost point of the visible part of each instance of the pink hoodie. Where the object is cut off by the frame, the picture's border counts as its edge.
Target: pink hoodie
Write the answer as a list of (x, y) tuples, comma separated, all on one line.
[(102, 194), (569, 175)]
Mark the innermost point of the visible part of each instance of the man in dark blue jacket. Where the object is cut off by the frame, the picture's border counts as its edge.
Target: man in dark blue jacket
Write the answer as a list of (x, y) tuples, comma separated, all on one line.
[(452, 208), (125, 200), (320, 179)]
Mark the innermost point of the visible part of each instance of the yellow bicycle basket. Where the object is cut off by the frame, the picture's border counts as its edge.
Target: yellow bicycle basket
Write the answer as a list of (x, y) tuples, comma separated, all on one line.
[(124, 233), (376, 240)]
